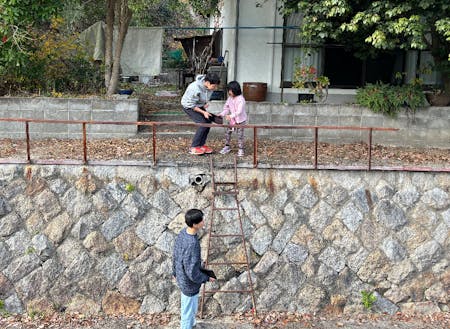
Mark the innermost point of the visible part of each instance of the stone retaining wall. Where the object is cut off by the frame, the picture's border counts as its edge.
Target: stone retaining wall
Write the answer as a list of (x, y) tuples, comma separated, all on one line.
[(68, 109), (99, 239)]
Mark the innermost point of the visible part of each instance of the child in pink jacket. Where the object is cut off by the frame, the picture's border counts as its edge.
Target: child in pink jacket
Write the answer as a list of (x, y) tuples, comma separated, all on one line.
[(234, 112)]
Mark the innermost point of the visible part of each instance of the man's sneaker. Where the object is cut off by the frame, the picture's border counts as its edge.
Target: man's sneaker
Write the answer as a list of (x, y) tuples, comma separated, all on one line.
[(240, 153), (225, 150), (207, 149), (196, 151)]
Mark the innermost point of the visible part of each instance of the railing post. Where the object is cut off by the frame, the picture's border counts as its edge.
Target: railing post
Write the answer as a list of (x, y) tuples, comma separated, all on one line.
[(27, 134), (154, 143), (370, 148), (255, 147), (316, 142), (84, 144)]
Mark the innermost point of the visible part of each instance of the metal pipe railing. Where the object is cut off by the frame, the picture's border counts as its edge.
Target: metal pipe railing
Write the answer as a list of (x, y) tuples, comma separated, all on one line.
[(154, 125)]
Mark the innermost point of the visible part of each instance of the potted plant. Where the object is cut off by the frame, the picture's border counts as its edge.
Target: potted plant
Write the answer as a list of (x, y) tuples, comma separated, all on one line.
[(125, 88), (437, 96), (305, 77)]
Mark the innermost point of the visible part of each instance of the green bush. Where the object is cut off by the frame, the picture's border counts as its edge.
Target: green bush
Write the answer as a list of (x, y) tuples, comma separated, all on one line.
[(388, 99), (54, 64)]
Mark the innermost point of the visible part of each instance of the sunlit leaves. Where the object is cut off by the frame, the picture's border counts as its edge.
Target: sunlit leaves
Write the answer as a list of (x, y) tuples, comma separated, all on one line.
[(378, 24)]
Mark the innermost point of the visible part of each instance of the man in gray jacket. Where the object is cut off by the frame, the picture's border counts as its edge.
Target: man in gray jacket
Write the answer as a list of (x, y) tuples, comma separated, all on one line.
[(186, 266), (195, 104)]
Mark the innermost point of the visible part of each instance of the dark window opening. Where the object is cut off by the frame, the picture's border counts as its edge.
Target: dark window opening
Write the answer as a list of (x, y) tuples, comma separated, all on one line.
[(347, 71)]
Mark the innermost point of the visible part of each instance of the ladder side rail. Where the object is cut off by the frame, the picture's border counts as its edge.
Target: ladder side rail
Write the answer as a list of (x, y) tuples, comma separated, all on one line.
[(244, 244), (213, 206)]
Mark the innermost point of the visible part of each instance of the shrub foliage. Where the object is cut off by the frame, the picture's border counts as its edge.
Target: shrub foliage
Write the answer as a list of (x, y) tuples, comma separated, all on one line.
[(388, 99)]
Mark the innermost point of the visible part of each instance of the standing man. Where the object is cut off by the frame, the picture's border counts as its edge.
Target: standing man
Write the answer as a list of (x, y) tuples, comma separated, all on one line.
[(195, 102), (186, 266)]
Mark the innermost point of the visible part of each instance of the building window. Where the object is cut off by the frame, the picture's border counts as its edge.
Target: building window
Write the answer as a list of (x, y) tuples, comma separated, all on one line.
[(344, 69), (295, 49)]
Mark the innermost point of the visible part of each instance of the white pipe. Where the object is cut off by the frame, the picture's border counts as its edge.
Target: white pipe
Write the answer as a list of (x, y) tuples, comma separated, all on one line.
[(273, 48), (236, 40)]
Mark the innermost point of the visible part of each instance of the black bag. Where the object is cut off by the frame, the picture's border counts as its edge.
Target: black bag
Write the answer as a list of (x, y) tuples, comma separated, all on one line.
[(216, 119), (209, 273)]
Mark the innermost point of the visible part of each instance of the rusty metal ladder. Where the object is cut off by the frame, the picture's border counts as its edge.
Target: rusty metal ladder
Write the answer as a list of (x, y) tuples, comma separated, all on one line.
[(229, 188)]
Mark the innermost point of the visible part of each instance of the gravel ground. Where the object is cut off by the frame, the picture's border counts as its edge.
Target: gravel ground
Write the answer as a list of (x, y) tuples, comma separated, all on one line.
[(270, 320)]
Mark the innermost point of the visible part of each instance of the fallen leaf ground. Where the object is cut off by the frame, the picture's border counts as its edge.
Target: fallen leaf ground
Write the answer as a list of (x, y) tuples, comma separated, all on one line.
[(269, 152), (239, 321)]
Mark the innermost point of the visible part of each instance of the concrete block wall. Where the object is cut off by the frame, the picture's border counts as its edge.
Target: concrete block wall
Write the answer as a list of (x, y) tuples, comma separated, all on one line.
[(68, 109), (428, 127)]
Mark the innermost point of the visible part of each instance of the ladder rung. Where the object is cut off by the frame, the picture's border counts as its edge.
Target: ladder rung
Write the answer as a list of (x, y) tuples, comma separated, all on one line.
[(228, 263), (224, 192), (229, 291), (226, 235), (226, 208)]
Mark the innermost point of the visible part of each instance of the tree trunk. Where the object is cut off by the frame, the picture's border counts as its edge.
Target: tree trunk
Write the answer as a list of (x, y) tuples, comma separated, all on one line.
[(112, 70), (109, 40)]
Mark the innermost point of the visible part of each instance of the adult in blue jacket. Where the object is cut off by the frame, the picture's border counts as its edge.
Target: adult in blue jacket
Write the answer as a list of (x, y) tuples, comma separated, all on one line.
[(186, 266)]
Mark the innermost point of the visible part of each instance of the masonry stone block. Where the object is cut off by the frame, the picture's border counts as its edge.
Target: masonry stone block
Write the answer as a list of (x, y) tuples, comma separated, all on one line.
[(12, 128), (349, 121), (4, 104), (58, 104), (103, 115), (102, 105), (350, 110), (38, 113), (79, 115), (327, 120), (79, 105)]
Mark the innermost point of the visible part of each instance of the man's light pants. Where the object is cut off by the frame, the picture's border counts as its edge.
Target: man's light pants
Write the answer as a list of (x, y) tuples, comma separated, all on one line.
[(189, 306)]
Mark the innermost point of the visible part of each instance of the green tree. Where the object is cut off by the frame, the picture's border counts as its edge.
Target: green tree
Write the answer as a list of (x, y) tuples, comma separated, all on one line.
[(80, 14), (19, 21), (380, 25), (160, 13), (206, 8)]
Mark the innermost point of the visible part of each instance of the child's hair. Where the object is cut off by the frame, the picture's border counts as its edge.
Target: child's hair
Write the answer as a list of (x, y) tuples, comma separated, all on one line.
[(235, 88), (193, 216), (213, 78)]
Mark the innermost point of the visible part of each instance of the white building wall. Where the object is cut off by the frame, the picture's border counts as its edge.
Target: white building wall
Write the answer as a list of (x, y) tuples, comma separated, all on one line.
[(259, 51), (229, 35), (258, 58)]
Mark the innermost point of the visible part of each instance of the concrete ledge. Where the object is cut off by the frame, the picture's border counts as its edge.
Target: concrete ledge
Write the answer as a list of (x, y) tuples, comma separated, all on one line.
[(125, 110), (428, 127)]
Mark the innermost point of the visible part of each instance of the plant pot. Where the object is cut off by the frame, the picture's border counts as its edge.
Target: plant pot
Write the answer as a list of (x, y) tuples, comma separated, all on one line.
[(305, 98), (255, 91), (125, 91), (441, 99)]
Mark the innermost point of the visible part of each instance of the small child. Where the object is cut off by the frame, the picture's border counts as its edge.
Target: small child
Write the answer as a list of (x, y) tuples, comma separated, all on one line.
[(234, 112)]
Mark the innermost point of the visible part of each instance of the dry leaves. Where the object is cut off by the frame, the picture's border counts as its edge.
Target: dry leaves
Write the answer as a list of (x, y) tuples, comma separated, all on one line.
[(271, 152)]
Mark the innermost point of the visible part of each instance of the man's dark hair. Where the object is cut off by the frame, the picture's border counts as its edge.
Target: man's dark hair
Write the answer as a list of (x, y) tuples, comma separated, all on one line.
[(235, 87), (213, 78), (193, 216)]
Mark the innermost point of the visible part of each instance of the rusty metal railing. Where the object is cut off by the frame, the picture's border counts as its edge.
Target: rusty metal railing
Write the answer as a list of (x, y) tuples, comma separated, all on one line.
[(154, 129)]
